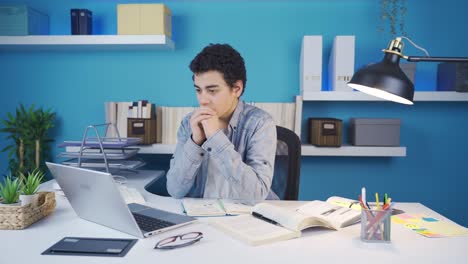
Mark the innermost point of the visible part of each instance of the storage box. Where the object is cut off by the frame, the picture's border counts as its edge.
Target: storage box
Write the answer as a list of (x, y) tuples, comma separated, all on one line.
[(20, 20), (143, 128), (144, 19), (452, 77), (409, 69), (325, 132), (374, 131)]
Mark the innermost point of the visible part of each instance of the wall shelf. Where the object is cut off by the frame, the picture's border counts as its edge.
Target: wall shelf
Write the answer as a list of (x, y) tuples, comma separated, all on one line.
[(307, 150), (358, 96), (86, 42), (144, 149), (354, 151)]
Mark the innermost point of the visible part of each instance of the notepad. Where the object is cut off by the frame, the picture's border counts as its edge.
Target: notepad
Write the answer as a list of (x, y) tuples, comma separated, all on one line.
[(429, 226)]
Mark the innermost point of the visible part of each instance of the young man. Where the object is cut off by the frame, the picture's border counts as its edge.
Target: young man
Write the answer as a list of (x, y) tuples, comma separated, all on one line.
[(225, 148)]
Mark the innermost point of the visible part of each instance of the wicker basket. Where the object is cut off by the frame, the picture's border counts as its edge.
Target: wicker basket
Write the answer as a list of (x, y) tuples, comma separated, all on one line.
[(20, 217)]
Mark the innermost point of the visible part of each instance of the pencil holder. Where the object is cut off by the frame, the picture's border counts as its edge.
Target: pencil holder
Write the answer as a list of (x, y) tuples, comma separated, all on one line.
[(376, 225)]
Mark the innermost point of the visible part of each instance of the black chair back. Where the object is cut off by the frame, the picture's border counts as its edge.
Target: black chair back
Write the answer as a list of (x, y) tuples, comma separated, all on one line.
[(287, 164)]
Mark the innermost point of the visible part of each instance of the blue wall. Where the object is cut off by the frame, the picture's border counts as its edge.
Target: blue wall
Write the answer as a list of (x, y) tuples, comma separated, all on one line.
[(268, 34)]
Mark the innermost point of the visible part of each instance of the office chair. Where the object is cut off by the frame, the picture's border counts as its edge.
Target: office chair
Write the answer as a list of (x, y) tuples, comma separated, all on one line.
[(287, 164)]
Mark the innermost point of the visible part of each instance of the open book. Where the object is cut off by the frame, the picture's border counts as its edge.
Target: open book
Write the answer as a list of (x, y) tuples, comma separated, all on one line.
[(214, 207), (269, 223)]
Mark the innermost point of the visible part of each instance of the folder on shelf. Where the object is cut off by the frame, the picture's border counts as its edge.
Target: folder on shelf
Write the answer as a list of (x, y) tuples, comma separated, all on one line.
[(341, 63), (311, 64)]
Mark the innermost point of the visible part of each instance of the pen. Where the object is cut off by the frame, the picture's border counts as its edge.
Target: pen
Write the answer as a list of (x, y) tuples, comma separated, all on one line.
[(259, 216), (385, 198), (363, 195), (377, 201)]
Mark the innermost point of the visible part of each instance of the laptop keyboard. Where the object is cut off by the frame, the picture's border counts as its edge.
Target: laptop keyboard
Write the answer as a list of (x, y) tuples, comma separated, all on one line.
[(147, 223)]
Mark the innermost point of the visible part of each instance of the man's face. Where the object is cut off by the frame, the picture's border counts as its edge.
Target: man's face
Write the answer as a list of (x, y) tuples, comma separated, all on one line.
[(214, 93)]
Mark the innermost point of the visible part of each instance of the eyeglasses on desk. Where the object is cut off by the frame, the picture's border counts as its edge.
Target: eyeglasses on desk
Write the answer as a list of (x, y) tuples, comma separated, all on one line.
[(179, 241)]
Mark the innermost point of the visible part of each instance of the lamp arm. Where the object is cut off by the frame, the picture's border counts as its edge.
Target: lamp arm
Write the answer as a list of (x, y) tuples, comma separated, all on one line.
[(436, 59)]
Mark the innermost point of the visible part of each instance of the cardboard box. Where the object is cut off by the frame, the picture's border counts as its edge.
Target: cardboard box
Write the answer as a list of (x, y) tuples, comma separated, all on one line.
[(144, 19), (325, 132), (20, 20), (375, 131)]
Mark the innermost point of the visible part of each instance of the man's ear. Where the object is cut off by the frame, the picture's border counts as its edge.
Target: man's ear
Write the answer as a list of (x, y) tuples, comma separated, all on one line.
[(237, 88)]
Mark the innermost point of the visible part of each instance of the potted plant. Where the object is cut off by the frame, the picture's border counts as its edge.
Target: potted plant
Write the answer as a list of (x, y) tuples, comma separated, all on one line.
[(28, 130), (10, 191), (30, 185)]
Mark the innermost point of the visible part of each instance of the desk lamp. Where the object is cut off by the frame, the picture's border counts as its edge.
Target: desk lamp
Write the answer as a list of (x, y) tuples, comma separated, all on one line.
[(386, 80)]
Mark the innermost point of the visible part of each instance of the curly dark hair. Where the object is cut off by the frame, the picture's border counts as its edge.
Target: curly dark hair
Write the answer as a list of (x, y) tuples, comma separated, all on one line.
[(222, 58)]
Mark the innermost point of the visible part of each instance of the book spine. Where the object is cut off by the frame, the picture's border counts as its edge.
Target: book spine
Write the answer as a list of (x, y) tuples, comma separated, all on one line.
[(85, 22), (74, 16)]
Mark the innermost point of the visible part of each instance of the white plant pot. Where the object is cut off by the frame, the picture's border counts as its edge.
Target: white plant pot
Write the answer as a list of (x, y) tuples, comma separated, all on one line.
[(27, 199), (13, 204)]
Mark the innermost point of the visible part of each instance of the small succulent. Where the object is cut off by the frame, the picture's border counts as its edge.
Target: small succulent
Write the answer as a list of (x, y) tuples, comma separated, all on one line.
[(10, 190), (31, 181)]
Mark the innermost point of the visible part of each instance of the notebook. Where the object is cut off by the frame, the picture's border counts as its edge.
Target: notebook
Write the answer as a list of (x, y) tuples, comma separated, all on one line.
[(95, 197)]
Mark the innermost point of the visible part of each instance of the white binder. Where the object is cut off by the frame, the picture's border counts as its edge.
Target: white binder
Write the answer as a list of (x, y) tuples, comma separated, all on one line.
[(341, 63), (311, 65)]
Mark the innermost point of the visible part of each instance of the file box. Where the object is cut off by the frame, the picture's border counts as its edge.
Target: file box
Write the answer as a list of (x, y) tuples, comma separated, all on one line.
[(144, 19), (325, 132), (20, 20), (452, 77), (375, 131), (409, 69), (144, 128)]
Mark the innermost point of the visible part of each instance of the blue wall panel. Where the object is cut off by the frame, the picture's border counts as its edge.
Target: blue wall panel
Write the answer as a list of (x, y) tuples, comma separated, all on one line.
[(268, 34)]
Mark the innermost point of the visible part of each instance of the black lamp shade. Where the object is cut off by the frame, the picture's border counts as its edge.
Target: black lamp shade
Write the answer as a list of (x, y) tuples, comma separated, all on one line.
[(385, 80)]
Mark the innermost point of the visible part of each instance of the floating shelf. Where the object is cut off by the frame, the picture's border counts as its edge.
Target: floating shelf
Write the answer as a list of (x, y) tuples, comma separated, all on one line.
[(90, 42), (354, 151), (358, 96), (144, 149), (307, 150)]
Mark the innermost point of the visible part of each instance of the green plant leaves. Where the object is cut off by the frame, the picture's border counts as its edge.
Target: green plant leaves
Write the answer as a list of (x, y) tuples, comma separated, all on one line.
[(10, 190), (393, 11), (29, 124), (31, 182)]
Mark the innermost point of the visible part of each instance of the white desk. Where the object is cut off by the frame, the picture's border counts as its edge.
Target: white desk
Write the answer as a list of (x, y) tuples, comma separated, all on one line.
[(315, 246)]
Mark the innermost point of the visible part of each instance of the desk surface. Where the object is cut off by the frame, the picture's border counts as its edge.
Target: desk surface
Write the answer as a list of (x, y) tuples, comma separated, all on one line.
[(315, 246)]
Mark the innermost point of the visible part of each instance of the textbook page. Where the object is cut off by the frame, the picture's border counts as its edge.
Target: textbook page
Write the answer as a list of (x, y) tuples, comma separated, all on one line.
[(334, 216), (285, 217), (202, 207), (254, 231), (235, 207)]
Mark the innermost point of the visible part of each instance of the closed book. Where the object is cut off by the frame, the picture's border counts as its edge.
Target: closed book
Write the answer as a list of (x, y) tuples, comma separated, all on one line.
[(86, 22), (75, 23)]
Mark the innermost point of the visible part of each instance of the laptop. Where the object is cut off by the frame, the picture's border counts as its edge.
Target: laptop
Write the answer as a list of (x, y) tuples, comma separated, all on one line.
[(95, 197)]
